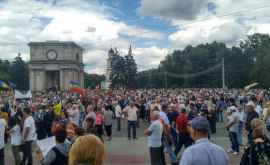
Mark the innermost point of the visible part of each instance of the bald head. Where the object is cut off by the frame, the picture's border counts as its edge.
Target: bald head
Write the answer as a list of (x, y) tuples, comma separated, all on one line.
[(155, 115)]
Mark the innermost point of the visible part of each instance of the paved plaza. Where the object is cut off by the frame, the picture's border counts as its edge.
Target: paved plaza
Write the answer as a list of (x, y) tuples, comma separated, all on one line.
[(121, 151)]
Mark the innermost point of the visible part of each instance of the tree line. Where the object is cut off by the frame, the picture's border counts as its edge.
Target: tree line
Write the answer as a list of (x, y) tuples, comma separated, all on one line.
[(244, 64)]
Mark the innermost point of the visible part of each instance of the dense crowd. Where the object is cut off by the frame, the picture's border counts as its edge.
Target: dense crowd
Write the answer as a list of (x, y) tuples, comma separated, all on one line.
[(176, 118)]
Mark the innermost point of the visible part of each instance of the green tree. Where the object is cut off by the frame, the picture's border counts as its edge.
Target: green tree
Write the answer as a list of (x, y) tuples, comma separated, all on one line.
[(117, 76), (130, 70), (19, 73), (4, 70), (93, 80), (256, 48)]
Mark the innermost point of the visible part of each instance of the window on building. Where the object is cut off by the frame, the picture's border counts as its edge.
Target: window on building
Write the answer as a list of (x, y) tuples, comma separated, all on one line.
[(78, 57)]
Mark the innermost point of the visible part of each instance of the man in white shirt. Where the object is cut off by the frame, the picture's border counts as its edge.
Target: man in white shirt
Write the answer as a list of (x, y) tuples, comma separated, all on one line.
[(28, 135), (118, 114), (3, 125), (131, 112), (154, 133), (16, 140)]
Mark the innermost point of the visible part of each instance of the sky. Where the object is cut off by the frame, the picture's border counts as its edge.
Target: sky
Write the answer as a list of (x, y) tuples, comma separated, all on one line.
[(153, 28)]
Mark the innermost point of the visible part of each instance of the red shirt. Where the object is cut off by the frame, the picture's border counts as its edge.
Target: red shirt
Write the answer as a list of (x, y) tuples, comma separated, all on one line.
[(182, 122)]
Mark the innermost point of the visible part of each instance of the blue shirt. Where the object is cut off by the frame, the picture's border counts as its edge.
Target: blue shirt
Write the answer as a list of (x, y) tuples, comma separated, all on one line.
[(204, 152), (164, 117)]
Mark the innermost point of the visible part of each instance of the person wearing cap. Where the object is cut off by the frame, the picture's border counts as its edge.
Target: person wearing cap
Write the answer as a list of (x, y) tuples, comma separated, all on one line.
[(203, 152)]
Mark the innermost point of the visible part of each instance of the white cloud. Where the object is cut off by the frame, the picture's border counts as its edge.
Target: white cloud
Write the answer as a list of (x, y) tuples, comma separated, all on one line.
[(149, 58), (231, 23), (172, 9), (91, 26), (221, 30)]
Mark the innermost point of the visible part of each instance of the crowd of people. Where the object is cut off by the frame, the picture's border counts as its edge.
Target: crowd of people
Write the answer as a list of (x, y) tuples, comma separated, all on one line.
[(176, 118)]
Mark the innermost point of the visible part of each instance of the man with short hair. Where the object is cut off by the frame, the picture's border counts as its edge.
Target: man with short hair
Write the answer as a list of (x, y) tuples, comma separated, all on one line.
[(29, 135), (154, 133), (233, 127), (132, 118), (183, 135), (108, 120), (118, 115), (203, 152), (59, 153), (251, 114)]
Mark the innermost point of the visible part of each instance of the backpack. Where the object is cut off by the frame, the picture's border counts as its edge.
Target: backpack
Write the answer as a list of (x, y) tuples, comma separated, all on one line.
[(60, 158), (257, 154), (263, 159)]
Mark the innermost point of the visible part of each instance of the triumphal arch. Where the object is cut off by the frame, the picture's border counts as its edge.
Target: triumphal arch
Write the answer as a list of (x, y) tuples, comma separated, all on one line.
[(55, 64)]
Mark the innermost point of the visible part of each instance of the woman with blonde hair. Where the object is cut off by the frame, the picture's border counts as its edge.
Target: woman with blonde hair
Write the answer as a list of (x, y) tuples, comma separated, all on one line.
[(87, 150), (266, 116), (259, 151)]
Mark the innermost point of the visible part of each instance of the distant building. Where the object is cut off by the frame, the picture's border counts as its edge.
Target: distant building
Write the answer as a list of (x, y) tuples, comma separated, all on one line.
[(55, 64)]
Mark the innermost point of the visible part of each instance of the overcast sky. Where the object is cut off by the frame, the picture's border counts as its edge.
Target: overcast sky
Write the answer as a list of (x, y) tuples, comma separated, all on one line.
[(152, 27)]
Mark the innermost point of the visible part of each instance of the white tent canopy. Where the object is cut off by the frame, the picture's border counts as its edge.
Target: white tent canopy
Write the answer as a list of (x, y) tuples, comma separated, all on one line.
[(20, 95)]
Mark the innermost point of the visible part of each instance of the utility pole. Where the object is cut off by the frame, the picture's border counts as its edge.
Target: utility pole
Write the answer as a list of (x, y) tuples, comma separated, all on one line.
[(149, 77), (223, 74), (165, 79)]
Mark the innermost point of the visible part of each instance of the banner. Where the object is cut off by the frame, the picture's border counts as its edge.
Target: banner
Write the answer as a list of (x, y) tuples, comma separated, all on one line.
[(251, 86), (20, 95), (46, 145)]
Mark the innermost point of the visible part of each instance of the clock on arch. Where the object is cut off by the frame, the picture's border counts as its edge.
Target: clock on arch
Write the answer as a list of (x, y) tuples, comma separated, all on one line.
[(51, 54)]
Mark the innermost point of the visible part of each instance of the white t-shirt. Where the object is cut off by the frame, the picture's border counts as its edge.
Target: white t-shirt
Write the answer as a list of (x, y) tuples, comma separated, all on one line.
[(118, 111), (74, 116), (154, 140), (132, 113), (16, 136), (3, 125), (30, 123)]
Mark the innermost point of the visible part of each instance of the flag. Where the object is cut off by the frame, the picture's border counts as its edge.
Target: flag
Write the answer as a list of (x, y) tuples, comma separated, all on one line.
[(251, 85), (3, 84), (75, 83), (78, 90)]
